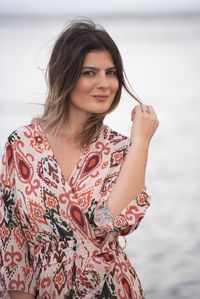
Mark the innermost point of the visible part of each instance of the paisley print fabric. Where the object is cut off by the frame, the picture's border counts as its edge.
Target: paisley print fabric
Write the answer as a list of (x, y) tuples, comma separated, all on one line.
[(57, 236)]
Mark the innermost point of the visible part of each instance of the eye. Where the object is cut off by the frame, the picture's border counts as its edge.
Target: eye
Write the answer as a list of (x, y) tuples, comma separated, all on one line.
[(111, 73), (88, 73)]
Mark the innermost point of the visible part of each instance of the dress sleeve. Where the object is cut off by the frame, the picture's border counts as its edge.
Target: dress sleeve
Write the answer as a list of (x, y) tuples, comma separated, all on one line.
[(15, 266), (129, 218)]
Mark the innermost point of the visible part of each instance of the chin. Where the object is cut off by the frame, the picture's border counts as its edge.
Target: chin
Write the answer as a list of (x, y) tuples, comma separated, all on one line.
[(101, 109)]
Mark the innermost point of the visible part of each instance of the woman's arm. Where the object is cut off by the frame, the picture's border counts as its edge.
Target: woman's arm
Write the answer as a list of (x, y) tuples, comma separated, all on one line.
[(131, 180), (20, 295)]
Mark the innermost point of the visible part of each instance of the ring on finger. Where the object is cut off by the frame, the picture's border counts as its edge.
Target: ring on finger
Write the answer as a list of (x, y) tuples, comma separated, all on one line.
[(148, 110)]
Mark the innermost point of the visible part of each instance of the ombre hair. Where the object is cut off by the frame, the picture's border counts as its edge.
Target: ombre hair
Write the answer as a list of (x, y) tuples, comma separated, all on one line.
[(64, 69)]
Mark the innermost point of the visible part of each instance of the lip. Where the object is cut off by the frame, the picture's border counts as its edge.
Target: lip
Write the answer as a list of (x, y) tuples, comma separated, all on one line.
[(100, 97)]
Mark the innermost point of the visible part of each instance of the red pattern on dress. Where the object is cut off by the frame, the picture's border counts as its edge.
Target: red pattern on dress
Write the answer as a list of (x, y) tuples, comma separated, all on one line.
[(57, 236)]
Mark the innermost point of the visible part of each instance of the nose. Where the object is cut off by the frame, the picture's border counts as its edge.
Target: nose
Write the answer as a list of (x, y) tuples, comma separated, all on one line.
[(102, 82)]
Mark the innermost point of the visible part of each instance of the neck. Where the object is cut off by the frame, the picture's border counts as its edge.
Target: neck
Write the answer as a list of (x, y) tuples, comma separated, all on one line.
[(74, 124)]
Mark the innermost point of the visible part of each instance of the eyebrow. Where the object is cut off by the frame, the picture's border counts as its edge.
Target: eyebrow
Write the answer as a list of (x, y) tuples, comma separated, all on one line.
[(96, 69)]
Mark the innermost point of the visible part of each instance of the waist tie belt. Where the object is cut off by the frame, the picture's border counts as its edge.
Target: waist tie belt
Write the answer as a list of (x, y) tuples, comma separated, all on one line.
[(49, 253)]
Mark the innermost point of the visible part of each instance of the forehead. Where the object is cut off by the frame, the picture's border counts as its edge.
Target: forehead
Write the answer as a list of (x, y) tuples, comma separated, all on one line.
[(98, 59)]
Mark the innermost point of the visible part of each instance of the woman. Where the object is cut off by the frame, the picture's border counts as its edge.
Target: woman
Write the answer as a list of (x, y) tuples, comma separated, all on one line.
[(70, 186)]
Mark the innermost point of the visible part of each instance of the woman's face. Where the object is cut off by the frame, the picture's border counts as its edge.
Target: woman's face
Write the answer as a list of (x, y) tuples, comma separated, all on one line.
[(97, 85)]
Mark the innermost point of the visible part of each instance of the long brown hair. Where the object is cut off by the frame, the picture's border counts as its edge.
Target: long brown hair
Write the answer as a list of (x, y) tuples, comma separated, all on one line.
[(64, 69)]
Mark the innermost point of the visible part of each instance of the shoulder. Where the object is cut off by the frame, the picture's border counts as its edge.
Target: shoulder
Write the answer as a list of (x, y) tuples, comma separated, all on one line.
[(114, 138), (24, 133), (117, 146)]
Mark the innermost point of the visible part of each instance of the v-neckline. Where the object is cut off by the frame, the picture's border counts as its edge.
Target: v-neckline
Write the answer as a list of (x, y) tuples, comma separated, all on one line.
[(81, 155), (67, 181)]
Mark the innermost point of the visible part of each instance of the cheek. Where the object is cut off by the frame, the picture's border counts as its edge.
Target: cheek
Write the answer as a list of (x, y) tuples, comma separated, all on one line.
[(115, 86), (83, 86)]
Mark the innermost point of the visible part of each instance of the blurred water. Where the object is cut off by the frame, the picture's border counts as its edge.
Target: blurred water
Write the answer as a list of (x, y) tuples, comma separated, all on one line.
[(161, 59)]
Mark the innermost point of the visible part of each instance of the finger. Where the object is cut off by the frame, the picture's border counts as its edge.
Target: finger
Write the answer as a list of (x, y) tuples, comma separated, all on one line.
[(133, 114), (146, 108), (153, 115), (135, 110), (150, 110), (142, 107)]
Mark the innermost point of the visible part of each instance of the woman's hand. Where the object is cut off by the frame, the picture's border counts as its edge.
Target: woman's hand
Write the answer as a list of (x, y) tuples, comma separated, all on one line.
[(145, 123)]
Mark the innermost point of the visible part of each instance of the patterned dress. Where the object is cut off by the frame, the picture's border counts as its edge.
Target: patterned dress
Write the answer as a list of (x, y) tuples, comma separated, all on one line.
[(57, 236)]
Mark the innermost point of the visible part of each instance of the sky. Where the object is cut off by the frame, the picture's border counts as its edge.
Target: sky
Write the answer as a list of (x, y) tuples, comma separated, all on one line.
[(103, 7)]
